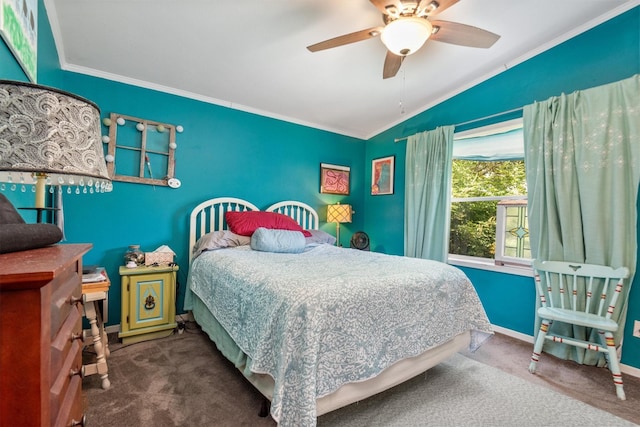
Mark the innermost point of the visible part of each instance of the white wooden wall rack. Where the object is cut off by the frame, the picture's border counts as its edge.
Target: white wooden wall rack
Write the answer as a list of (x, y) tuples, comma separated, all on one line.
[(146, 150)]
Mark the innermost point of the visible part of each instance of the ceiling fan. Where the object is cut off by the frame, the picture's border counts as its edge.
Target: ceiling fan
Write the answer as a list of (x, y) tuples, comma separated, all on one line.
[(407, 27)]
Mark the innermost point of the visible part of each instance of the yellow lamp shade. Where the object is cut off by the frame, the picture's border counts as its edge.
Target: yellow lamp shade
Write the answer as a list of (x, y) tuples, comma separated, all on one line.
[(339, 213)]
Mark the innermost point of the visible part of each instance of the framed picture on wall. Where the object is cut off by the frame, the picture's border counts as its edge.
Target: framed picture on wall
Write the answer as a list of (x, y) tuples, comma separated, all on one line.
[(382, 171), (19, 29), (334, 179)]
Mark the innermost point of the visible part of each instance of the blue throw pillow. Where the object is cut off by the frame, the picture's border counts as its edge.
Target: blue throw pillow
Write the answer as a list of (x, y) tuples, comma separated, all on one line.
[(275, 240)]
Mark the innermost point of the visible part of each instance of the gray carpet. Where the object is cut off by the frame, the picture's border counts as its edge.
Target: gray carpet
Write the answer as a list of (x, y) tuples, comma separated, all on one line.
[(463, 392), (182, 380)]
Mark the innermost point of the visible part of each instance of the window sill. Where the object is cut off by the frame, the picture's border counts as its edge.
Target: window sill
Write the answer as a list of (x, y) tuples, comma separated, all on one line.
[(489, 265)]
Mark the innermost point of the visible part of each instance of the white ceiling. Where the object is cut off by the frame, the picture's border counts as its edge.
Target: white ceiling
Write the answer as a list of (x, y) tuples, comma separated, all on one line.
[(251, 54)]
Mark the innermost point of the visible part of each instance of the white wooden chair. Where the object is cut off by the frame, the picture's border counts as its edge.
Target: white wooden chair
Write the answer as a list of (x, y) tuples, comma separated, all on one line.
[(583, 295)]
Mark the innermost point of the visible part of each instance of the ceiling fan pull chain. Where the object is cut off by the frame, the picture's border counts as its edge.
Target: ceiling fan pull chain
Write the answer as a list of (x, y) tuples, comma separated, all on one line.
[(402, 93)]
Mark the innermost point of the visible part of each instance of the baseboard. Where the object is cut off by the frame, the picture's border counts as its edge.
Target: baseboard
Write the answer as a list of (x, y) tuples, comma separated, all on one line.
[(112, 329), (630, 370), (186, 317), (626, 369), (513, 334)]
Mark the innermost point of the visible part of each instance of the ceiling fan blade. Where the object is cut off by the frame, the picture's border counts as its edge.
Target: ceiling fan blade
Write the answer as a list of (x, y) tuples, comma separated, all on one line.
[(346, 39), (392, 63), (463, 35), (389, 7), (433, 7)]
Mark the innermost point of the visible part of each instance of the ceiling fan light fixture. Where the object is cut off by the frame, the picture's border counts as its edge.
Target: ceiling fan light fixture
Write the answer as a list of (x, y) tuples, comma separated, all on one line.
[(406, 35)]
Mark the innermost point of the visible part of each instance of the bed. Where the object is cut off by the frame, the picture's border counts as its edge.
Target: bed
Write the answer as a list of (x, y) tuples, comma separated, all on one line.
[(322, 327)]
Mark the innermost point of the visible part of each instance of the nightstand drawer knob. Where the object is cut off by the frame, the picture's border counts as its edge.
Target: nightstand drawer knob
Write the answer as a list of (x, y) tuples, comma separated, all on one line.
[(75, 336), (75, 300), (82, 422)]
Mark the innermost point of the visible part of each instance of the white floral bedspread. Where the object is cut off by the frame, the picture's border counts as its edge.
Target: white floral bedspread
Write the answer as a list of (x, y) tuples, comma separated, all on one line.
[(329, 316)]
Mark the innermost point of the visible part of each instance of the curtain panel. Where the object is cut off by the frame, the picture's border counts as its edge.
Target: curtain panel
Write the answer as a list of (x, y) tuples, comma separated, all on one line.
[(428, 194), (582, 158)]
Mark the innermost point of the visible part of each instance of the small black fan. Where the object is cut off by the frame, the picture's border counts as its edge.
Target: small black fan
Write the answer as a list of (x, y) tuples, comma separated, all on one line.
[(360, 240)]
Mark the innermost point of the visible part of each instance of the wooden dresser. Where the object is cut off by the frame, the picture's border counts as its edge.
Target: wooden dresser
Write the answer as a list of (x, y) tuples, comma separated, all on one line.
[(41, 336)]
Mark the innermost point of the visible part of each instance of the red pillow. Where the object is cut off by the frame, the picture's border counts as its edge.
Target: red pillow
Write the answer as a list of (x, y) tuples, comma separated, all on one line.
[(245, 223)]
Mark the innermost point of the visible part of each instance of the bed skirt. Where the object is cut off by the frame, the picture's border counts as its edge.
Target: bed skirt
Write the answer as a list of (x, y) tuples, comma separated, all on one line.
[(395, 374)]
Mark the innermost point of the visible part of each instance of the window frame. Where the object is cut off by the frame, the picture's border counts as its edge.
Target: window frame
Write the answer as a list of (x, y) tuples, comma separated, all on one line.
[(521, 267)]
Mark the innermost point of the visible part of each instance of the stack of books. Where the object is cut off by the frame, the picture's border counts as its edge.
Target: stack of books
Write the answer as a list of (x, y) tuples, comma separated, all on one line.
[(94, 278)]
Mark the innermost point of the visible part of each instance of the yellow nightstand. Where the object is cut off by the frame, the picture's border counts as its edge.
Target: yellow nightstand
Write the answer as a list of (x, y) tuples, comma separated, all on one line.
[(148, 303)]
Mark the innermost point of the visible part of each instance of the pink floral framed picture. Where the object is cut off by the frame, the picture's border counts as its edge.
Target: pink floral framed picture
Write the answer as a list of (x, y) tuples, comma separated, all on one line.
[(334, 179)]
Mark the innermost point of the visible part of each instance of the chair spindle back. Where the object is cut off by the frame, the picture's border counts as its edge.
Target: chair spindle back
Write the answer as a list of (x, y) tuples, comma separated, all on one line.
[(575, 286)]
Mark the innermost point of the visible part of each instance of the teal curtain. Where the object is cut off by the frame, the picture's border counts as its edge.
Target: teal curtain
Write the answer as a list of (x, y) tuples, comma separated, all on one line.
[(428, 194), (582, 157)]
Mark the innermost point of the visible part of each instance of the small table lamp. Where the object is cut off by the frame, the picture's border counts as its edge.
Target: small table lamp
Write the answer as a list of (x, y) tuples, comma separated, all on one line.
[(338, 213), (49, 137)]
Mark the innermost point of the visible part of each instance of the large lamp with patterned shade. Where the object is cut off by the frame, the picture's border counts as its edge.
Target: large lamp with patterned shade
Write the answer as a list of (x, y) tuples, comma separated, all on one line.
[(49, 138), (339, 214)]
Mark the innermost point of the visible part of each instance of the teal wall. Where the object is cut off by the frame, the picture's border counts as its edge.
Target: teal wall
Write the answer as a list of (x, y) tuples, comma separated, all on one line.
[(606, 53), (225, 152), (222, 152), (9, 66)]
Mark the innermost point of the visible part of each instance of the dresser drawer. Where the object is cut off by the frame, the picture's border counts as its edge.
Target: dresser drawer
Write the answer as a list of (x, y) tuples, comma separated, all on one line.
[(72, 408), (66, 295), (70, 331), (64, 381)]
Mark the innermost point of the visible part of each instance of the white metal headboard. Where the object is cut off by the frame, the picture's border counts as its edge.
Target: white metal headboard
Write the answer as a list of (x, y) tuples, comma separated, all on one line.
[(304, 214), (208, 216)]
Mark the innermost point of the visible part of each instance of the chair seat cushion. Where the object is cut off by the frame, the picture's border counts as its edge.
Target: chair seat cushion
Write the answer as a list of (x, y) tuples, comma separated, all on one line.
[(578, 318), (21, 237)]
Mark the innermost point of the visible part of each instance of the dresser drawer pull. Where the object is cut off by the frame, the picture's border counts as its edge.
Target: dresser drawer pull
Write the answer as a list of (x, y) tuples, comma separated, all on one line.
[(75, 300), (79, 372), (75, 336), (82, 422)]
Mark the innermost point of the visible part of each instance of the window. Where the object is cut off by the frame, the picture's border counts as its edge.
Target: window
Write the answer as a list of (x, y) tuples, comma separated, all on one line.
[(489, 197)]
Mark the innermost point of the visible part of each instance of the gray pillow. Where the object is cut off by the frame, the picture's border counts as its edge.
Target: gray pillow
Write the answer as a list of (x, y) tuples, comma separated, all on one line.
[(20, 237), (8, 214), (218, 240), (319, 236), (15, 235), (274, 240)]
